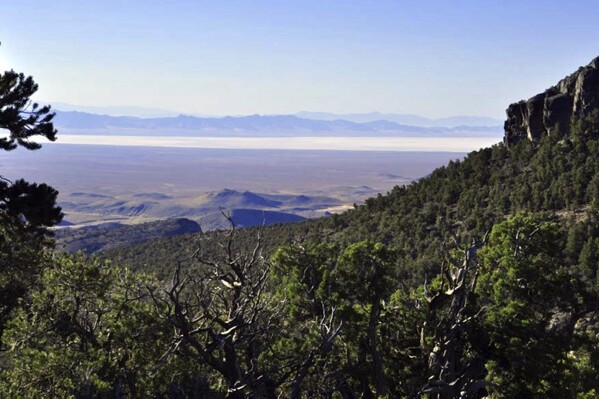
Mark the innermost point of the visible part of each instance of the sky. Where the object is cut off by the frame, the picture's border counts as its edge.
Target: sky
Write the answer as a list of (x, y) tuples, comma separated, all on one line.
[(431, 58)]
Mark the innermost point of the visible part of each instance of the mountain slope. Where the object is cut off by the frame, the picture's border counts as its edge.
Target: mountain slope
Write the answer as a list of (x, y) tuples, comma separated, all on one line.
[(461, 201), (109, 235)]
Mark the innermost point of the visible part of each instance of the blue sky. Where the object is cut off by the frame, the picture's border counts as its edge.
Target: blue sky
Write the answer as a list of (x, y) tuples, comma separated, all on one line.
[(432, 58)]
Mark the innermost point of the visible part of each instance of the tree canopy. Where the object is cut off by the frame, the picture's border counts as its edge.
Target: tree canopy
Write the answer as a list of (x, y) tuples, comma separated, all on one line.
[(26, 209), (33, 205)]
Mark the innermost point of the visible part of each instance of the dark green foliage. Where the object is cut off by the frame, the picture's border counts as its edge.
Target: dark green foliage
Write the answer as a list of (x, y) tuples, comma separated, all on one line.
[(159, 255), (531, 306), (90, 331), (19, 116), (31, 205), (92, 239), (525, 328), (329, 320), (22, 257), (516, 325), (354, 282), (26, 209)]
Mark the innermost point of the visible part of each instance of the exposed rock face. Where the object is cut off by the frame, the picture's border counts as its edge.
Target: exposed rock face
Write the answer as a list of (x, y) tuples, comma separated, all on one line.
[(574, 96)]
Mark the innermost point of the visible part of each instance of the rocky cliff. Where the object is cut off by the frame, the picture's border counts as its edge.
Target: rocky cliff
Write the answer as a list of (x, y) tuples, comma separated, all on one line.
[(574, 96)]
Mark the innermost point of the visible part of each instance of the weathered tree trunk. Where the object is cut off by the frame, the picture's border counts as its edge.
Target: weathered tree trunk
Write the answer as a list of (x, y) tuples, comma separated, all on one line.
[(449, 374), (378, 372)]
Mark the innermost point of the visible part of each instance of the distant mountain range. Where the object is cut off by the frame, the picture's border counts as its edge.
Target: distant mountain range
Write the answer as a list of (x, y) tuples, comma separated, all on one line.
[(76, 122), (402, 119), (140, 112), (405, 119)]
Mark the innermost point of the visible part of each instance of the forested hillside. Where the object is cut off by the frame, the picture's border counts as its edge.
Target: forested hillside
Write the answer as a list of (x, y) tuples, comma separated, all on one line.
[(480, 280), (427, 231), (101, 237), (453, 206)]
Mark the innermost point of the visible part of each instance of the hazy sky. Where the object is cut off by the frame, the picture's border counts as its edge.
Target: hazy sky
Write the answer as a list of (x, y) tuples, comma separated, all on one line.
[(433, 58)]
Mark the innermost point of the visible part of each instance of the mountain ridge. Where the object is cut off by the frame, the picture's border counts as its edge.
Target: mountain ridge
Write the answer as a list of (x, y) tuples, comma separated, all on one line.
[(574, 97), (400, 118), (269, 125), (405, 119)]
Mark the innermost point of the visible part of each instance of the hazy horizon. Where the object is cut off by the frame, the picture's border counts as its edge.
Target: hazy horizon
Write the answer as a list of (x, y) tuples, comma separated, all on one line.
[(262, 57), (154, 112)]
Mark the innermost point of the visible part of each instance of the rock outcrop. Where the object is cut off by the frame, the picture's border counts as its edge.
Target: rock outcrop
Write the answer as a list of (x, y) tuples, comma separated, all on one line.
[(573, 97)]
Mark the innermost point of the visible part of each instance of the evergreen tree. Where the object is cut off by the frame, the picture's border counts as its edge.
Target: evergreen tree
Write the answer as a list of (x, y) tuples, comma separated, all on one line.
[(32, 206), (26, 209)]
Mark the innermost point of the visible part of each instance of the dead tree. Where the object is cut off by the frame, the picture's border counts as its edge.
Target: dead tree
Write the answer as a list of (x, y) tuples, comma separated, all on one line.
[(223, 317), (452, 374)]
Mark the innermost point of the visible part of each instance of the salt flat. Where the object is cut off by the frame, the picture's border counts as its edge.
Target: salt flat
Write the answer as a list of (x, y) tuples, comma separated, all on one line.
[(445, 144)]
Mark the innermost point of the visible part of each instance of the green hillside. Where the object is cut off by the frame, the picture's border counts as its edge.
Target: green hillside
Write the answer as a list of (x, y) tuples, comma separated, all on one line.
[(557, 176), (481, 280), (103, 236), (387, 294)]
